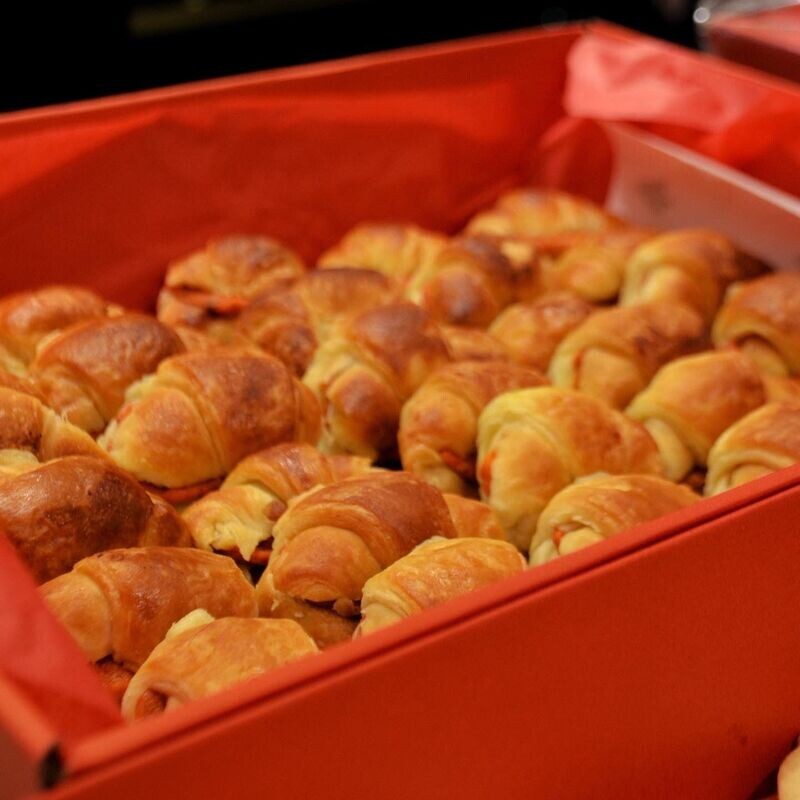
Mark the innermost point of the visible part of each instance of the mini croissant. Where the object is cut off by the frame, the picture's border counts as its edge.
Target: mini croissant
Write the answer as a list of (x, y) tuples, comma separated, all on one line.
[(365, 372), (691, 401), (202, 412), (396, 250), (208, 289), (121, 603), (468, 283), (614, 354), (26, 318), (238, 518), (201, 659), (439, 423), (433, 573), (532, 443), (596, 508), (60, 512), (84, 371), (762, 318), (290, 322), (763, 441), (692, 266), (333, 539)]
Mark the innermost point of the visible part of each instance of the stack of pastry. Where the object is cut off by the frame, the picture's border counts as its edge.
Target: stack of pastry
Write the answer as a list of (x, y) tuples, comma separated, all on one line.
[(284, 459)]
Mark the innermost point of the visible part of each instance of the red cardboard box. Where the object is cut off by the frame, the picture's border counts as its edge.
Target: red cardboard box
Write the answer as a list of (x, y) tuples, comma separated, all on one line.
[(661, 663)]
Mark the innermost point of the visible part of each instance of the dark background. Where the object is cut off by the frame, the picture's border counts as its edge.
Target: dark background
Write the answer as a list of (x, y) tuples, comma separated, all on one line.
[(55, 52)]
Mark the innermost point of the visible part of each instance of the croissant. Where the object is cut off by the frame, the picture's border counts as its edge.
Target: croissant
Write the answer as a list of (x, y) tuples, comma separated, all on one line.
[(209, 288), (291, 322), (332, 539), (532, 443), (535, 212), (691, 401), (27, 318), (468, 282), (789, 777), (439, 423), (763, 441), (239, 517), (466, 343), (364, 374), (202, 412), (60, 512), (433, 573), (613, 354), (473, 519), (83, 371), (204, 658), (692, 266), (121, 603), (395, 250), (530, 332), (596, 508), (763, 319)]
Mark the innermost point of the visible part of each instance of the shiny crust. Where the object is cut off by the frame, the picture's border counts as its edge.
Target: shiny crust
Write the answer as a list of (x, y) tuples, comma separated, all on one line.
[(28, 317), (202, 412), (763, 441), (535, 212), (692, 266), (597, 508), (290, 322), (215, 284), (473, 344), (332, 539), (468, 283), (364, 374), (473, 519), (614, 353), (766, 310), (395, 250), (692, 400), (72, 507), (122, 602), (205, 659), (439, 423), (242, 513), (530, 332), (532, 443), (432, 574), (84, 371)]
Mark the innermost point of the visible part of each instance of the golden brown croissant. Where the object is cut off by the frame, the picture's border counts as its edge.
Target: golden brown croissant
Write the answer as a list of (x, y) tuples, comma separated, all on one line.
[(532, 443), (596, 508), (332, 539), (537, 212), (201, 413), (121, 603), (291, 322), (789, 777), (69, 508), (439, 423), (84, 371), (763, 441), (762, 318), (531, 331), (473, 344), (202, 659), (613, 354), (691, 401), (395, 250), (473, 519), (433, 573), (364, 374), (27, 318), (467, 283), (209, 288), (239, 517), (692, 266)]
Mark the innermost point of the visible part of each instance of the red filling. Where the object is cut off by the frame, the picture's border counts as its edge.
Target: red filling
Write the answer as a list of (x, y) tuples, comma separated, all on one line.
[(220, 305), (463, 467), (184, 494), (485, 473)]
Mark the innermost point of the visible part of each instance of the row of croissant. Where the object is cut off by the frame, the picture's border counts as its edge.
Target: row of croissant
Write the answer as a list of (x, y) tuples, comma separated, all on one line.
[(110, 421)]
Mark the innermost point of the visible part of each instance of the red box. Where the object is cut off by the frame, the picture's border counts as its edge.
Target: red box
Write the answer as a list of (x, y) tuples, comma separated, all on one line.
[(661, 663)]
